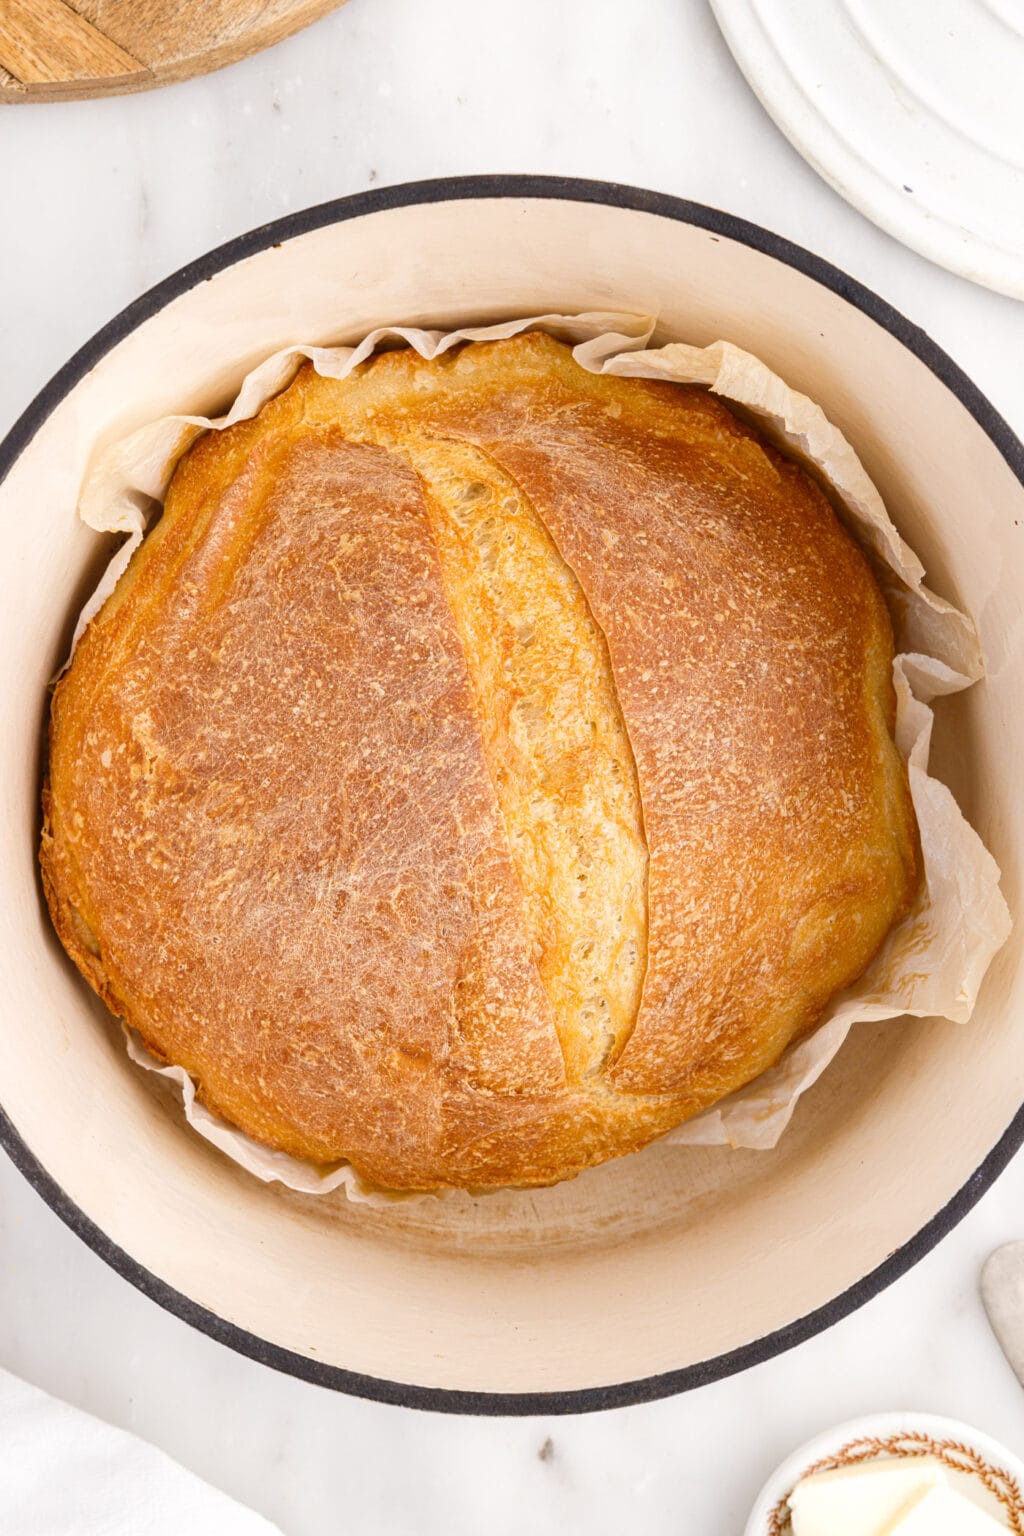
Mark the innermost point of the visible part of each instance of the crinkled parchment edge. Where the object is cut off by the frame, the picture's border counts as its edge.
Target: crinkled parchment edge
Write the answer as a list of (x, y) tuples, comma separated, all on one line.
[(931, 964)]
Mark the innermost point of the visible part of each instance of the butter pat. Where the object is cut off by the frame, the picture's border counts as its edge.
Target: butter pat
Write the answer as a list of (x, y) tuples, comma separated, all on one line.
[(863, 1500), (941, 1512)]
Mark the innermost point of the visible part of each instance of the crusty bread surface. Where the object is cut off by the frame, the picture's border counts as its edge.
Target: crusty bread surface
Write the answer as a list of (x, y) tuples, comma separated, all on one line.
[(481, 768)]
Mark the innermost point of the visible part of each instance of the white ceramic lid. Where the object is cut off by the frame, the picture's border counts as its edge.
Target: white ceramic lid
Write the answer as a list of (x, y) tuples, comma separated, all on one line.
[(914, 113)]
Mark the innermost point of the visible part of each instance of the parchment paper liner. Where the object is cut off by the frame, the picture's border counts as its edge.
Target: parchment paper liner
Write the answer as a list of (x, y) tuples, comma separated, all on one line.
[(932, 964)]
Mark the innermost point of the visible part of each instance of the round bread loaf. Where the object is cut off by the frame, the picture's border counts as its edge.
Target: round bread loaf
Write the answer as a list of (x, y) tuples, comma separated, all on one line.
[(482, 767)]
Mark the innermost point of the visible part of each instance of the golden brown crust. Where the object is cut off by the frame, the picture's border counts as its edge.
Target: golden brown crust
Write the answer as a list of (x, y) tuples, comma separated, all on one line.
[(276, 838)]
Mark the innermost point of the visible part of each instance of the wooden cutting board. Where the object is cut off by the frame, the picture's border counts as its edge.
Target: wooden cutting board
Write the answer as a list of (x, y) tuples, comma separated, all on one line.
[(51, 50)]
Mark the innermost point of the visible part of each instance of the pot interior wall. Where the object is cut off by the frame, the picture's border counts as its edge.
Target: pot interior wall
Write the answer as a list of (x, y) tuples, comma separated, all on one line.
[(660, 1260)]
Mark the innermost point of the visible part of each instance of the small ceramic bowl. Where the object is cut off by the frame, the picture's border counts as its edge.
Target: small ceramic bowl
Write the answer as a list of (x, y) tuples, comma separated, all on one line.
[(978, 1466)]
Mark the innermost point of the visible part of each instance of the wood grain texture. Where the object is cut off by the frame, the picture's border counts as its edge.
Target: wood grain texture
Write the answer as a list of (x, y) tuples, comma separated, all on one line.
[(46, 43), (51, 50)]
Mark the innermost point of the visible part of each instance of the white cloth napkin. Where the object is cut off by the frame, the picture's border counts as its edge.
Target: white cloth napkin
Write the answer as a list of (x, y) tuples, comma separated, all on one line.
[(64, 1473)]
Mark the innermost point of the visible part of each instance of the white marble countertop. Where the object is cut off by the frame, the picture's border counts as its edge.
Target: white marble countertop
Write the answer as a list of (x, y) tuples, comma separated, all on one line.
[(103, 198)]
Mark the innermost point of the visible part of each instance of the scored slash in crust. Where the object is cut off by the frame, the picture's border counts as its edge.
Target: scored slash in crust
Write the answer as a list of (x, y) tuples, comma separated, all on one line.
[(482, 767)]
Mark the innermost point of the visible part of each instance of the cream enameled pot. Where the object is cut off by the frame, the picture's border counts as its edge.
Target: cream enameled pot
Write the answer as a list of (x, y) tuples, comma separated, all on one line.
[(658, 1272)]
